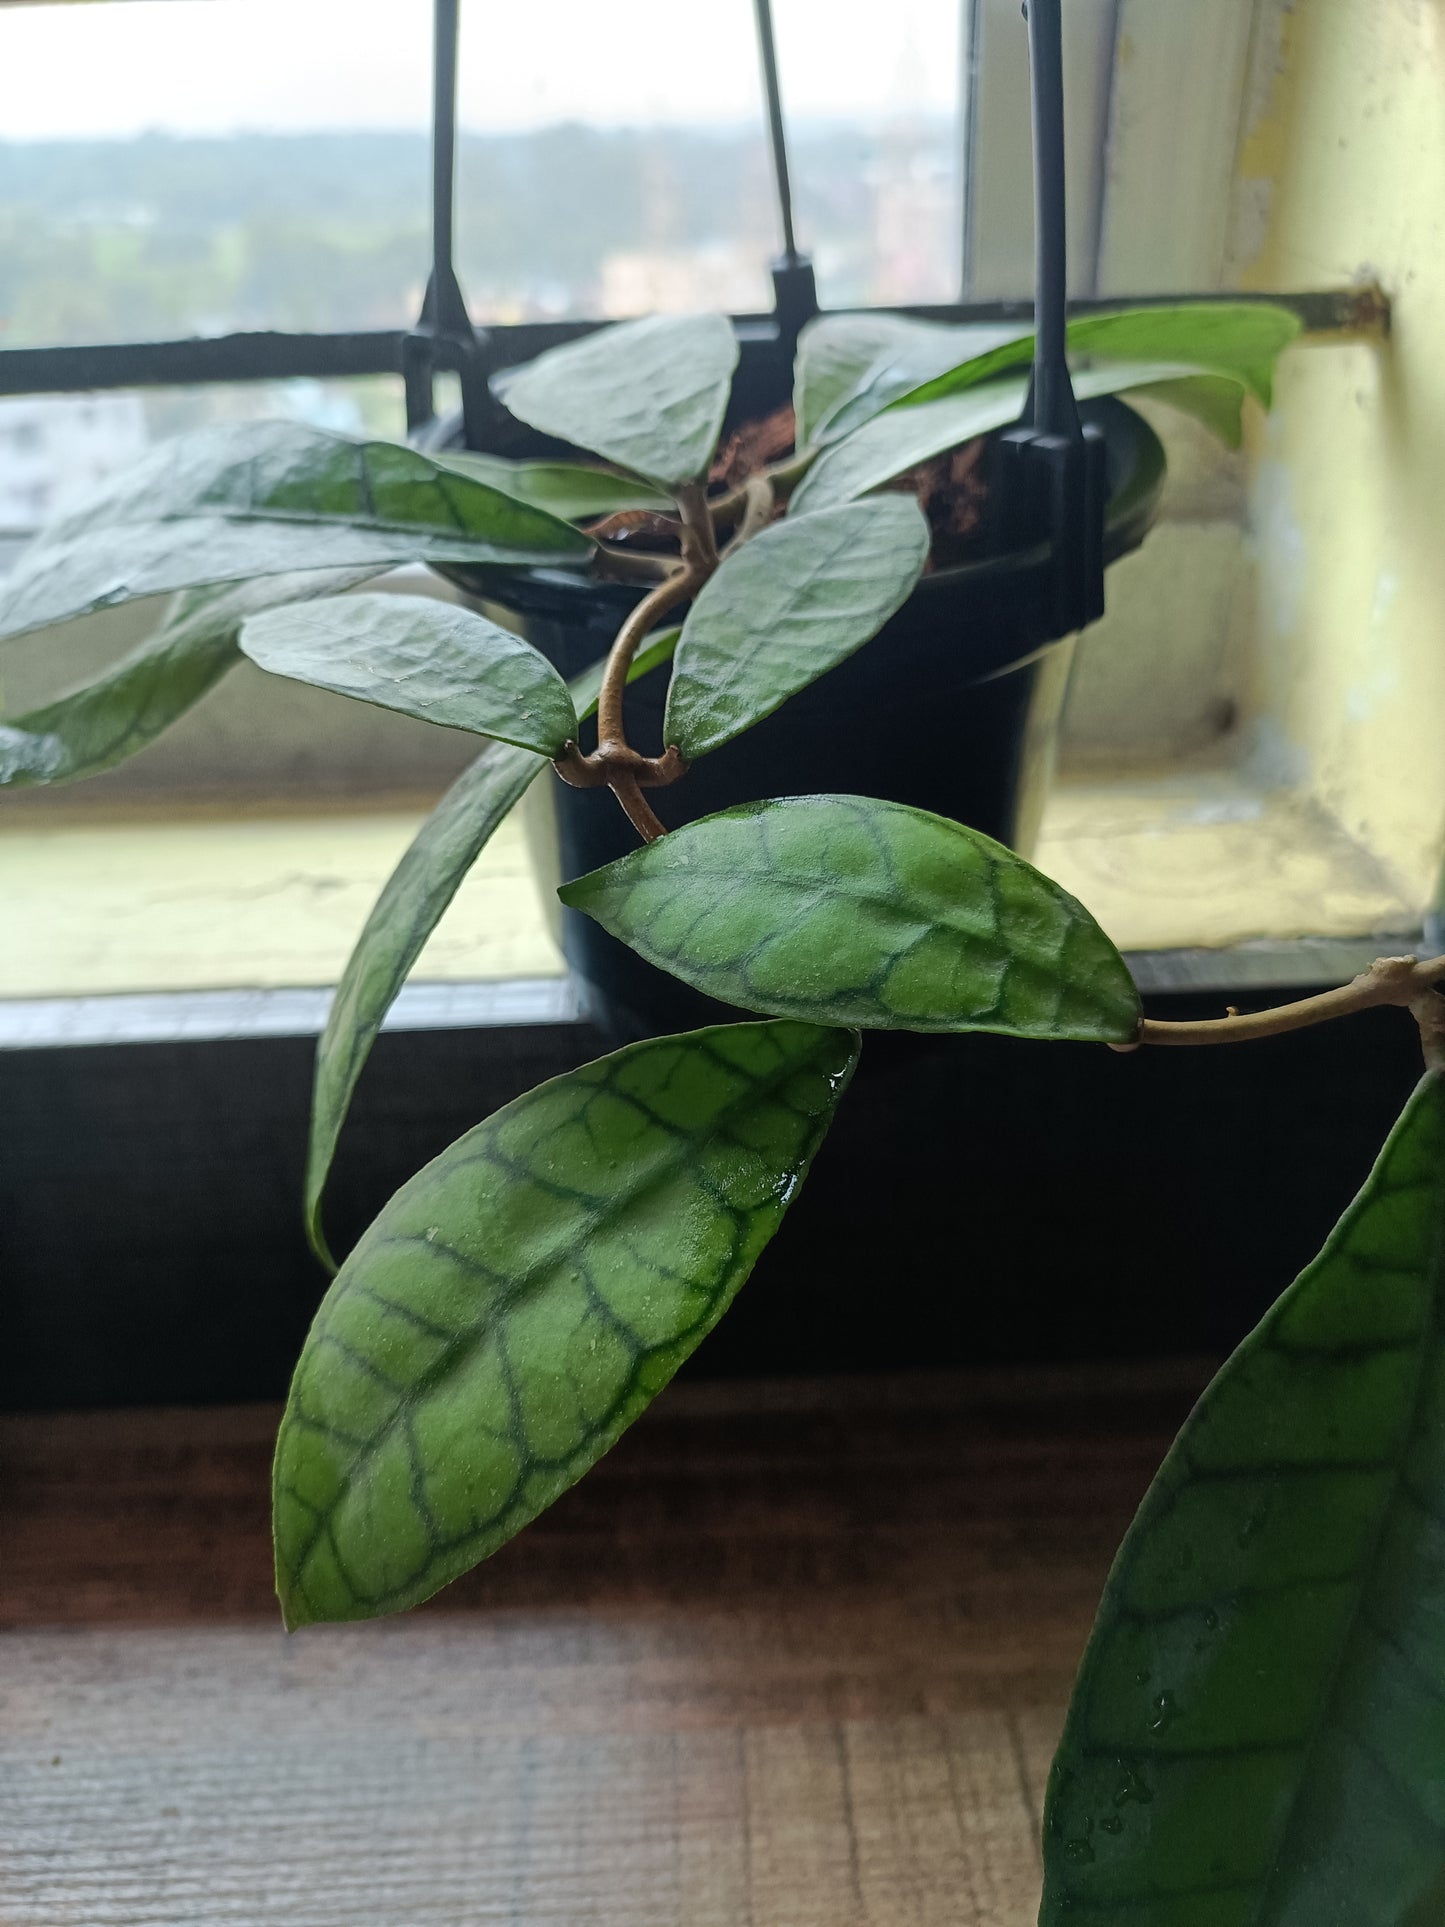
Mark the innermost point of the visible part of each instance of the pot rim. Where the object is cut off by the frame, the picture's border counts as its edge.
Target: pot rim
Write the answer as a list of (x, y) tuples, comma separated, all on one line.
[(1129, 515)]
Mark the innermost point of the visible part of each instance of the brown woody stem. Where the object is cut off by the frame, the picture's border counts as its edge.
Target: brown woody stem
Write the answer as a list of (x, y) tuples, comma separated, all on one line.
[(1412, 985), (614, 762), (699, 540), (646, 616), (641, 815)]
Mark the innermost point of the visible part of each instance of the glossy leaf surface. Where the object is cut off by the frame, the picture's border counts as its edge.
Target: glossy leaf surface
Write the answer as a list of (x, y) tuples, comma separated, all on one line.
[(403, 917), (1257, 1737), (647, 394), (426, 658), (569, 489), (784, 609), (523, 1298), (267, 498), (846, 910), (901, 438), (1241, 340), (105, 721)]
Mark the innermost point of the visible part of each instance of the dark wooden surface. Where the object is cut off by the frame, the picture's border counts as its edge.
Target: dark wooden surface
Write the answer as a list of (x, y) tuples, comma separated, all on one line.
[(795, 1655)]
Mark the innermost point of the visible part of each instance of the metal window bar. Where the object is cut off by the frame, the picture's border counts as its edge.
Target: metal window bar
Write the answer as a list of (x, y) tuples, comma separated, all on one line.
[(444, 335), (1343, 313), (445, 338)]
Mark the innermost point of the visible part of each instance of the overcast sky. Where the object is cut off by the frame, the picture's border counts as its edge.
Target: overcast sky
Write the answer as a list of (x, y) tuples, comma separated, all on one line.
[(119, 67)]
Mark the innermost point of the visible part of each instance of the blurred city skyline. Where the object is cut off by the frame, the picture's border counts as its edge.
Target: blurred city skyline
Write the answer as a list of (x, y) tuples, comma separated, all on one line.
[(159, 236), (178, 167)]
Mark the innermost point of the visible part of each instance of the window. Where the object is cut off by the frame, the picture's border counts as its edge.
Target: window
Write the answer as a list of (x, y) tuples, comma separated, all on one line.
[(180, 167), (604, 173)]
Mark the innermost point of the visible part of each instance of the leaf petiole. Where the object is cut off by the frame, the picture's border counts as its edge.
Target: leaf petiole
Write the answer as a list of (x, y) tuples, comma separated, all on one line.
[(1403, 981)]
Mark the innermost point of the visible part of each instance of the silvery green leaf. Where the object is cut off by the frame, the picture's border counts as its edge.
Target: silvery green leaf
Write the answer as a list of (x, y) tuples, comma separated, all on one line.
[(784, 609), (649, 395), (835, 352), (855, 386), (1239, 340), (409, 908), (268, 498), (93, 728), (570, 489), (395, 933), (423, 657), (901, 438)]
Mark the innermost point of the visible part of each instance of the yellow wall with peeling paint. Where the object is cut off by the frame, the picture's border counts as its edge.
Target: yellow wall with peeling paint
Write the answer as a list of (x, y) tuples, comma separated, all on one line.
[(1341, 177)]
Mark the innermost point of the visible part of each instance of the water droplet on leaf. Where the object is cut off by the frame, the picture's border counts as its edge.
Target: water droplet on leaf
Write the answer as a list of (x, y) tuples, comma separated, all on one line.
[(1165, 1709), (1131, 1787), (1251, 1528)]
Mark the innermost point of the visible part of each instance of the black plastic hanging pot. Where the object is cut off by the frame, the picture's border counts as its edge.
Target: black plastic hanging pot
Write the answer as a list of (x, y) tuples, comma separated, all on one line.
[(953, 707)]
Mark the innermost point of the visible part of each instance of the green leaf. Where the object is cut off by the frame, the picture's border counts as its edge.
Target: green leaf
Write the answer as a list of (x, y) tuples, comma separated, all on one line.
[(518, 1303), (784, 609), (1257, 1735), (835, 352), (647, 394), (852, 365), (426, 658), (102, 723), (403, 917), (267, 498), (1215, 400), (901, 438), (1240, 340), (846, 910), (409, 909), (569, 489)]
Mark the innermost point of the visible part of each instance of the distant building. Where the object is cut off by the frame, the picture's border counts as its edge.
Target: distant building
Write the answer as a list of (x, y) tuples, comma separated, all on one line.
[(672, 280), (917, 222), (54, 449)]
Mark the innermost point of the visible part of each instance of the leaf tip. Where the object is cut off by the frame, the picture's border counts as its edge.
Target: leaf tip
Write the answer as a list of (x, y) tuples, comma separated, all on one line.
[(579, 892), (292, 1618), (316, 1237)]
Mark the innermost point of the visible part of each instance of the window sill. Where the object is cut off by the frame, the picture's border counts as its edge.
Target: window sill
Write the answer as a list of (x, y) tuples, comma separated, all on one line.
[(1200, 857), (225, 896), (222, 922)]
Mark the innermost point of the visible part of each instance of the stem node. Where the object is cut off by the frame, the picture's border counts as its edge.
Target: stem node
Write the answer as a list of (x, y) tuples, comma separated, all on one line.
[(614, 762)]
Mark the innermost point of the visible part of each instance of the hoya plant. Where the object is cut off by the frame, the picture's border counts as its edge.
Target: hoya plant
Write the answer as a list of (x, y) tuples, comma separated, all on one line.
[(1257, 1737)]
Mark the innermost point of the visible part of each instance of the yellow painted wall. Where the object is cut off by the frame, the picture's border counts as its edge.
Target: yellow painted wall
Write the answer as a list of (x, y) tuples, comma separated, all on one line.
[(1342, 178)]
